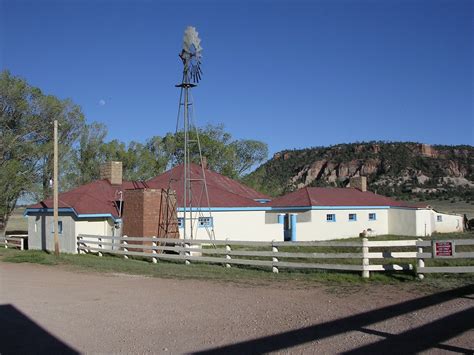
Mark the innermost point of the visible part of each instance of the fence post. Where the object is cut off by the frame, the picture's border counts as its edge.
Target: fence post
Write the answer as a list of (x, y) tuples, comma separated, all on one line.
[(124, 242), (227, 256), (99, 239), (365, 258), (274, 259), (22, 244), (421, 261), (5, 239), (153, 251), (187, 253)]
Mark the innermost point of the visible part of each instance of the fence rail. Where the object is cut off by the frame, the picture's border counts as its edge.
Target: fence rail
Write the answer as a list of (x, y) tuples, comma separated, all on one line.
[(15, 241), (274, 257), (443, 249)]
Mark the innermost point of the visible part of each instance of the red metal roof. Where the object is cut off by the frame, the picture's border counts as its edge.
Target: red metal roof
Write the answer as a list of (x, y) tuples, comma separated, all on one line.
[(324, 196), (222, 191), (97, 197)]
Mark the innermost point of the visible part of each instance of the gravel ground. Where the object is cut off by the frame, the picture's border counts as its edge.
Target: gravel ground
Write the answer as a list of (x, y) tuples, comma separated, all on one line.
[(45, 309)]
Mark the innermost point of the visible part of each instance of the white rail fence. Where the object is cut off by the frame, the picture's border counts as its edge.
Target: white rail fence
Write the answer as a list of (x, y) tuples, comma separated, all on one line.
[(350, 255), (16, 241), (443, 250)]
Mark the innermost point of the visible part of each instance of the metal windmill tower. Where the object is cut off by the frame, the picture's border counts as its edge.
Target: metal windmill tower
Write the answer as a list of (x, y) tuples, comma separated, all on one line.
[(195, 189)]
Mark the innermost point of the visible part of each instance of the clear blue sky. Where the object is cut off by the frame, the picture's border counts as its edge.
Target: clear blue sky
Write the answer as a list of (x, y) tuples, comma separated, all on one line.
[(291, 73)]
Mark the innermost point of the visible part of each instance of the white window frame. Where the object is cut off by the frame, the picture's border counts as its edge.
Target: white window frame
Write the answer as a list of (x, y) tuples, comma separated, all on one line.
[(60, 227), (205, 222), (374, 216), (330, 217)]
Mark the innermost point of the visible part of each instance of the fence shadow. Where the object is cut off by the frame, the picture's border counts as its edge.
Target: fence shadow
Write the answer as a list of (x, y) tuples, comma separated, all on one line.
[(21, 335), (411, 341)]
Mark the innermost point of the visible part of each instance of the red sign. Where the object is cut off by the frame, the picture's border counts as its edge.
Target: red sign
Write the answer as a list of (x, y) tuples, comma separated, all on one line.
[(443, 248)]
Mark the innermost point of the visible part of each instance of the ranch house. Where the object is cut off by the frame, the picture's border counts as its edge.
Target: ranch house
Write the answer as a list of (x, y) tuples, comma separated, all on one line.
[(111, 206)]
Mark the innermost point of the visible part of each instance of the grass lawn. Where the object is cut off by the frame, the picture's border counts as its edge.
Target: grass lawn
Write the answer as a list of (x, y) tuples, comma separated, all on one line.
[(250, 275)]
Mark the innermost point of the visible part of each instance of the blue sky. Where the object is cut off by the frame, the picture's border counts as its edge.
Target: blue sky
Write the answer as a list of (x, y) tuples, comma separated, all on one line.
[(293, 74)]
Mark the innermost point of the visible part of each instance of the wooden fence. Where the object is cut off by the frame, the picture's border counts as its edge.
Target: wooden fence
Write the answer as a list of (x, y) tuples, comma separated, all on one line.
[(16, 241), (343, 255)]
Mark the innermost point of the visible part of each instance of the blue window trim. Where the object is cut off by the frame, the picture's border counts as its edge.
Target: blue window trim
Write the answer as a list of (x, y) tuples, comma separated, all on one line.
[(180, 222), (352, 219), (332, 219), (205, 225), (374, 216)]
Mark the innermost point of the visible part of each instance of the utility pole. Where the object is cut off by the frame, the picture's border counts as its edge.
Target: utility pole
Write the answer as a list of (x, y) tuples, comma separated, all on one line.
[(55, 190)]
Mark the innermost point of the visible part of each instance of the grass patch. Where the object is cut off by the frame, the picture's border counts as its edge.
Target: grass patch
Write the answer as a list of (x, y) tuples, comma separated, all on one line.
[(341, 282)]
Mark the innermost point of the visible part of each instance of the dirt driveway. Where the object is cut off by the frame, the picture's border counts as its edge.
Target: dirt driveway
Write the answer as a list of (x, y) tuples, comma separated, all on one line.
[(50, 310)]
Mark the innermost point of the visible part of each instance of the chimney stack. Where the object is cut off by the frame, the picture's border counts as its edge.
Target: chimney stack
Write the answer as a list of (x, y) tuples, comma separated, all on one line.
[(358, 182), (112, 171)]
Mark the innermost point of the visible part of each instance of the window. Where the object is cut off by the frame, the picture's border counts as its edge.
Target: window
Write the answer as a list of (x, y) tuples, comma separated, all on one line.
[(439, 218), (372, 216), (352, 217), (180, 222), (204, 222), (331, 217), (60, 227)]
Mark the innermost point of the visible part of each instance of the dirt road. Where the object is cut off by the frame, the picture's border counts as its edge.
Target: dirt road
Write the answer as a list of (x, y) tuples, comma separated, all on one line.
[(50, 310)]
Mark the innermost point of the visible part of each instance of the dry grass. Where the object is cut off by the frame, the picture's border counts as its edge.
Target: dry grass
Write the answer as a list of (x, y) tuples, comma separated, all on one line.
[(17, 222)]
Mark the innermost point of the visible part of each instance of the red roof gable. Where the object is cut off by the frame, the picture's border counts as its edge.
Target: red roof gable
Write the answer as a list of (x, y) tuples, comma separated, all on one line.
[(223, 191), (97, 197), (323, 196)]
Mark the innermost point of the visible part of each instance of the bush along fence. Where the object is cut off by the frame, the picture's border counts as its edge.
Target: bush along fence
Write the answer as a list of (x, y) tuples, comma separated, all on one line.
[(17, 241), (364, 256)]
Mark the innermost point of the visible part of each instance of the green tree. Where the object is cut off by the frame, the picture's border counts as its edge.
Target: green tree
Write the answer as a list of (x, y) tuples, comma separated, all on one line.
[(19, 134), (223, 154), (71, 122), (85, 159)]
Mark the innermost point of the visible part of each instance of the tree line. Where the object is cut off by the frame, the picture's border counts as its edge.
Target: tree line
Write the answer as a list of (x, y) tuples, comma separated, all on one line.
[(26, 147)]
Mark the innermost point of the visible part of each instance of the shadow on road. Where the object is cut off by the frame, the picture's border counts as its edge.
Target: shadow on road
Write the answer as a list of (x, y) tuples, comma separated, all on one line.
[(411, 341), (20, 335)]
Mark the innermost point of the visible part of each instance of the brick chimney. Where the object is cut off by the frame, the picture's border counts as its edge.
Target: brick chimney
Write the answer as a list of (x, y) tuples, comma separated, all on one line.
[(112, 171), (359, 183)]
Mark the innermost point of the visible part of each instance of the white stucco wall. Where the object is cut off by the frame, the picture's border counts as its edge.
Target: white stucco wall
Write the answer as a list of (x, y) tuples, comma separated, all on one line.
[(320, 229), (449, 223), (252, 225), (402, 221), (238, 225), (424, 222)]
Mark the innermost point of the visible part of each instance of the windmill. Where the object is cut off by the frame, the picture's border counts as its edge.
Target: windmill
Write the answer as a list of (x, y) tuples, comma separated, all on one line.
[(195, 187)]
